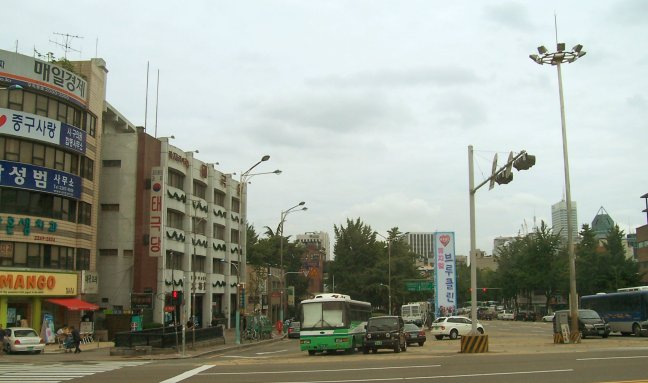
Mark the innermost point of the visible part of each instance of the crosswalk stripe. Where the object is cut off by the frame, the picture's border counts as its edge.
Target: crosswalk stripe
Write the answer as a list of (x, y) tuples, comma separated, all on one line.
[(54, 373)]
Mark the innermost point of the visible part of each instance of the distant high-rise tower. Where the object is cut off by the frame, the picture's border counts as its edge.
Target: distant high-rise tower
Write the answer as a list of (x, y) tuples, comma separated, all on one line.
[(423, 245), (559, 219), (602, 224)]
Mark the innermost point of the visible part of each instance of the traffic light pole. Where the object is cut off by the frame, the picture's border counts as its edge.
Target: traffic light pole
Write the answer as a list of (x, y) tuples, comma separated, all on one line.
[(528, 162)]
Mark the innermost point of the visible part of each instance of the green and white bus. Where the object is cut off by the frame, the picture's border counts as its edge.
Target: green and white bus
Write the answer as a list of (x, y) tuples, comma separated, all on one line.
[(332, 322)]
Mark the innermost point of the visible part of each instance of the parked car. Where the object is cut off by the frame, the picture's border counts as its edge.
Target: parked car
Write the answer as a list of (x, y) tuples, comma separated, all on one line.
[(506, 315), (525, 315), (414, 334), (549, 317), (293, 329), (590, 323), (453, 327), (22, 339), (385, 332)]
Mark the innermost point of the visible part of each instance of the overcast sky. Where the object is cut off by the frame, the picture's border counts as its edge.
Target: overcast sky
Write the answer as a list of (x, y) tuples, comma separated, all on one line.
[(368, 107)]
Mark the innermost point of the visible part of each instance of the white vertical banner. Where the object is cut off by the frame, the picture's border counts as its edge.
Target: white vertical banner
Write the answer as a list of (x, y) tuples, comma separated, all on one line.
[(156, 212), (445, 266)]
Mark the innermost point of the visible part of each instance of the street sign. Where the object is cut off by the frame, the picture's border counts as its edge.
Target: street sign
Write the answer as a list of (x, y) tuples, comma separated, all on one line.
[(419, 285)]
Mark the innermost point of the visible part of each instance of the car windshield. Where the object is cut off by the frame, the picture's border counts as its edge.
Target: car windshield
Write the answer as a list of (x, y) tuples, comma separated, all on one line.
[(25, 333), (439, 320), (377, 324), (588, 314), (412, 327)]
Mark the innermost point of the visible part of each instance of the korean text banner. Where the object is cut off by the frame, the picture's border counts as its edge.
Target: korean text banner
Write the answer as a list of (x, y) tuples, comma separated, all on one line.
[(39, 128), (446, 274), (17, 69), (38, 178)]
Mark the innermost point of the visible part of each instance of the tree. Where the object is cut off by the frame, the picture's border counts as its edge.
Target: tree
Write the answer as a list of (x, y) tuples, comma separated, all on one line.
[(357, 269), (588, 258), (620, 271)]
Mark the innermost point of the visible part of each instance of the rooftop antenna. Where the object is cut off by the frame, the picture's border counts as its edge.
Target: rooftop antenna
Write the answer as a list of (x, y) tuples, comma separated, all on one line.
[(67, 44)]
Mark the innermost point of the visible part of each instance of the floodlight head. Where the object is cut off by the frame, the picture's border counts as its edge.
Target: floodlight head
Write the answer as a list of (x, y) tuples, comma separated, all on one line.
[(265, 158), (534, 57), (302, 203), (560, 47), (581, 54), (542, 50), (577, 48), (277, 172)]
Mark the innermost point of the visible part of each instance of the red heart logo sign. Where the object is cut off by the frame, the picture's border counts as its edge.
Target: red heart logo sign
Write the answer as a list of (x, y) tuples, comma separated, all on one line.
[(3, 119), (445, 239)]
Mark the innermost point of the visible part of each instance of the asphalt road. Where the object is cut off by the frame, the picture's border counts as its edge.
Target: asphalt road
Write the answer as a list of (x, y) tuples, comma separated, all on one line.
[(518, 352)]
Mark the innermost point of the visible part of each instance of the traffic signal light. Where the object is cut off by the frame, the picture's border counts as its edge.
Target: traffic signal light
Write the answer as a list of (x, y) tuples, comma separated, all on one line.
[(504, 177), (176, 297), (524, 162)]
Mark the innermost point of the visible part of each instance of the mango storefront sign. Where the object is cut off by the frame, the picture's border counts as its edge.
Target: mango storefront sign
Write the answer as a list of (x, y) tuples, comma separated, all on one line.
[(37, 283)]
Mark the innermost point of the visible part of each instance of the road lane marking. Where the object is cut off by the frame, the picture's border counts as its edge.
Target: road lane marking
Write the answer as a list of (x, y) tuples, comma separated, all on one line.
[(271, 352), (433, 377), (614, 357), (311, 371), (188, 374)]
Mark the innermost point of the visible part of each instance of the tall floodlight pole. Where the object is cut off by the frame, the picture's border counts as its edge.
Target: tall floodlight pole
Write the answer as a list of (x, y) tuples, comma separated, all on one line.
[(283, 274), (557, 58), (245, 176)]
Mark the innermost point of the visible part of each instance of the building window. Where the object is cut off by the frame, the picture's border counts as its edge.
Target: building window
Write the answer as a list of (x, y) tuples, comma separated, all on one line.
[(87, 168), (111, 163), (85, 213), (83, 259), (174, 219), (108, 252), (199, 189), (236, 205), (235, 236), (219, 198), (127, 253), (109, 207), (198, 225), (219, 231), (198, 264), (176, 179)]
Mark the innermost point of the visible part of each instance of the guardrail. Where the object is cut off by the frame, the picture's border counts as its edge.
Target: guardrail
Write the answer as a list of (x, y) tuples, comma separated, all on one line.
[(169, 339)]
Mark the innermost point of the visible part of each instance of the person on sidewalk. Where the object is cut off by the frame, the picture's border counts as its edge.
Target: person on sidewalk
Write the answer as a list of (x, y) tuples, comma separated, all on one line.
[(76, 339)]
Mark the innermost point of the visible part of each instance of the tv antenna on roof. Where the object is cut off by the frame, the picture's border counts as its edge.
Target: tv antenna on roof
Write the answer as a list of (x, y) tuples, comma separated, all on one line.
[(66, 44)]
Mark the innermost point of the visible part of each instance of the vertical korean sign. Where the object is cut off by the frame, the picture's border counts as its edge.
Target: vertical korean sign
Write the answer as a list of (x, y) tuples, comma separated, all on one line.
[(156, 212), (446, 274)]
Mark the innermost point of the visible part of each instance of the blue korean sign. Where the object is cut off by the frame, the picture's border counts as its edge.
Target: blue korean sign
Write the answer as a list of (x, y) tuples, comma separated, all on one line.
[(38, 178)]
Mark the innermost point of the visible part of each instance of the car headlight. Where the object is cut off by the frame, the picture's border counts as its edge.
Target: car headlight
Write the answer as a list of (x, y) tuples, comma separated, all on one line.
[(589, 326)]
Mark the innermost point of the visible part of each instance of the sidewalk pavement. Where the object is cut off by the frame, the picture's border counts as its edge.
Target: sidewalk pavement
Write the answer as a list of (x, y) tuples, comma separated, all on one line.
[(94, 350)]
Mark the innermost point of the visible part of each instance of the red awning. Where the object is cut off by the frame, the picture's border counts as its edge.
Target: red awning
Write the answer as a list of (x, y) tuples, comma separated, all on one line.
[(74, 304)]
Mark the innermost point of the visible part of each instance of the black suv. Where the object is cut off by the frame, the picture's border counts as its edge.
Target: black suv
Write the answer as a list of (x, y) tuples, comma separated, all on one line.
[(589, 323), (385, 332)]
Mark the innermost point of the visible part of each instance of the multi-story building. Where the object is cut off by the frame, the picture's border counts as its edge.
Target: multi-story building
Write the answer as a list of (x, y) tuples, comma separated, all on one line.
[(642, 246), (422, 244), (318, 250), (169, 222), (50, 143), (559, 219)]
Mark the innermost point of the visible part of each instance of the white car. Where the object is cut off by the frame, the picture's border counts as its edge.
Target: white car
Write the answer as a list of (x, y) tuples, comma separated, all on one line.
[(22, 339), (548, 318), (506, 315), (453, 327)]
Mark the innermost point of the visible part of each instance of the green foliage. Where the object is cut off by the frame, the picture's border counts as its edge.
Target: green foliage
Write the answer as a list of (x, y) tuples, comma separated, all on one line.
[(361, 268)]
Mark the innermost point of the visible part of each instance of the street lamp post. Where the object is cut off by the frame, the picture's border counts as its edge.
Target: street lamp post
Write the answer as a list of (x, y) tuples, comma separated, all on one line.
[(245, 176), (557, 58), (280, 232), (389, 242)]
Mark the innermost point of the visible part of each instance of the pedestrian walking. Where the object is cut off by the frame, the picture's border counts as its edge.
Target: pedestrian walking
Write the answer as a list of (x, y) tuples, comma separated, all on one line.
[(2, 335), (76, 339)]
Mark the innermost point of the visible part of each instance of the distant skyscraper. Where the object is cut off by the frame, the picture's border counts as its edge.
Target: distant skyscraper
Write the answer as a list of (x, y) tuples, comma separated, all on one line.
[(423, 245), (602, 224), (559, 219)]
